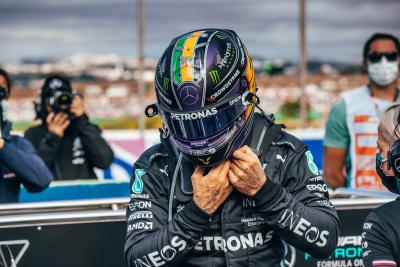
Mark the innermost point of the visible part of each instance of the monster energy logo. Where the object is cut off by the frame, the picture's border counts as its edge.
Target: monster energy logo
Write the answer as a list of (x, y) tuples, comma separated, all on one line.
[(220, 36), (215, 76), (166, 82)]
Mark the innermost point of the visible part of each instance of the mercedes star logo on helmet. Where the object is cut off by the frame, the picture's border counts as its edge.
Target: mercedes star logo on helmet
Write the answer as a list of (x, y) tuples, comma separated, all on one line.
[(189, 95)]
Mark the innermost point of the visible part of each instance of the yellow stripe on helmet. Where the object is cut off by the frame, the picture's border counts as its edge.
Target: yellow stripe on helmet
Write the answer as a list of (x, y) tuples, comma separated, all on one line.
[(187, 56), (249, 74), (251, 82)]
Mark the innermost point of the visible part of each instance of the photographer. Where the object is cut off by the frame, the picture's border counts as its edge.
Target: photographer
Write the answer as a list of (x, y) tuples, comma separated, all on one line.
[(67, 142), (19, 162)]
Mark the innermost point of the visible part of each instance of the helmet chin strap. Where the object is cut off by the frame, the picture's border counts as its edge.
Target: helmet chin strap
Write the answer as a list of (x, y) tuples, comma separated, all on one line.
[(251, 98), (172, 192), (165, 131)]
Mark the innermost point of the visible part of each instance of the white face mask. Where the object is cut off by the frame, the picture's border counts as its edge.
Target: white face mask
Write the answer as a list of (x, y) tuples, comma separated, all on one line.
[(4, 107), (383, 72)]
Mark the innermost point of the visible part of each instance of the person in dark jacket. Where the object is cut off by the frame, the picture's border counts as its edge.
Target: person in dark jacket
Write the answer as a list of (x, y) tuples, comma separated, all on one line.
[(225, 186), (381, 231), (67, 142), (19, 163)]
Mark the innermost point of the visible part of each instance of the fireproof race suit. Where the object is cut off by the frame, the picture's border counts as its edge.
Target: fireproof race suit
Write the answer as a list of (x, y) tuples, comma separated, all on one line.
[(166, 228), (381, 236)]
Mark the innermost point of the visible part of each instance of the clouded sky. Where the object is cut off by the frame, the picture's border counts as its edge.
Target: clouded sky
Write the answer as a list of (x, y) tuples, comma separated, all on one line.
[(337, 29)]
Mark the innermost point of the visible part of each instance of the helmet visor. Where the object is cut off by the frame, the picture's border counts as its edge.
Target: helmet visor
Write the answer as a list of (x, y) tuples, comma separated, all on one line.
[(204, 123)]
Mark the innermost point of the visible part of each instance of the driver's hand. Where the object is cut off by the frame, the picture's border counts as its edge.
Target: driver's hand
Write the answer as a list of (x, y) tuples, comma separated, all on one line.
[(212, 189)]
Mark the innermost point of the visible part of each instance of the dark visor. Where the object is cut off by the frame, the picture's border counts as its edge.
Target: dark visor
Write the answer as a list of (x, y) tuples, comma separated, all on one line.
[(204, 123)]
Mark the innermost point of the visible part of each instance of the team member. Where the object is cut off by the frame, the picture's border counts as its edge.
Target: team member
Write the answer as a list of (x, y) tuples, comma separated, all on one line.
[(381, 236), (225, 187), (67, 142), (351, 129), (19, 163)]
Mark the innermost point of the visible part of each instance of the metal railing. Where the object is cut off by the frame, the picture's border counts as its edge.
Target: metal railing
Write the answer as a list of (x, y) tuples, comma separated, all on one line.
[(62, 212), (113, 209)]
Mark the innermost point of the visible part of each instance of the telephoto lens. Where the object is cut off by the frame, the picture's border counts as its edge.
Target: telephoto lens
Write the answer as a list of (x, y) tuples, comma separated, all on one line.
[(61, 102)]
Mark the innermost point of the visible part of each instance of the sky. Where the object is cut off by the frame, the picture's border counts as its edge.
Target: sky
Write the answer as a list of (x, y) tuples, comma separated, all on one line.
[(336, 29)]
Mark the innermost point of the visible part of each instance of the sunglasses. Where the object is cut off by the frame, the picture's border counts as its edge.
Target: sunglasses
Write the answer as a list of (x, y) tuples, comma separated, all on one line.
[(375, 57)]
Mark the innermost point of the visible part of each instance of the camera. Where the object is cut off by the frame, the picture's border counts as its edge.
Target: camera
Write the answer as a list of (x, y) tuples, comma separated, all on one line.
[(60, 101), (3, 93)]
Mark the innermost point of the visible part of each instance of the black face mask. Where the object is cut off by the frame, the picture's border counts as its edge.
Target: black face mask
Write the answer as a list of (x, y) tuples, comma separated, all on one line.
[(390, 182)]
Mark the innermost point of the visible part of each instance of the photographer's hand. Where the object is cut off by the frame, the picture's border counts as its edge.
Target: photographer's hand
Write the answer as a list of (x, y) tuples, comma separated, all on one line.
[(246, 173), (77, 106), (1, 143), (212, 189), (57, 123)]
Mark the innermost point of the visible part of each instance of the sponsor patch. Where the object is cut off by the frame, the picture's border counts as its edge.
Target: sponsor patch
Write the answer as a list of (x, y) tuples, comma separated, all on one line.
[(140, 215), (140, 225), (233, 243), (139, 204), (162, 256), (248, 202), (137, 186), (140, 196), (303, 228), (311, 164), (254, 220), (195, 115), (227, 85)]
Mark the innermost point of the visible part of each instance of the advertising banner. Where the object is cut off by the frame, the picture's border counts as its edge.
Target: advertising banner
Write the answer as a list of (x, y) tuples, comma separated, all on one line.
[(101, 244)]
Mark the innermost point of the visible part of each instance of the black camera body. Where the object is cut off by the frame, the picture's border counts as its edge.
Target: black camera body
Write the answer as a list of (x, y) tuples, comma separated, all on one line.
[(61, 101)]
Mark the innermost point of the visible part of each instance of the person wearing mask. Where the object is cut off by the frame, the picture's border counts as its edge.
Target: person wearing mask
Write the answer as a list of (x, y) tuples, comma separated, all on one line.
[(351, 129), (381, 232), (225, 186), (67, 142), (19, 163)]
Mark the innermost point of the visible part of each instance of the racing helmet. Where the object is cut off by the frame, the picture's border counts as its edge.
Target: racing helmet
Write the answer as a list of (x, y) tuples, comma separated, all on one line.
[(205, 87)]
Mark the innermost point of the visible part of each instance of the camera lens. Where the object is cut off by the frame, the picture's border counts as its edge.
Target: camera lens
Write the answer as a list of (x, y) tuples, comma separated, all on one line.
[(62, 102)]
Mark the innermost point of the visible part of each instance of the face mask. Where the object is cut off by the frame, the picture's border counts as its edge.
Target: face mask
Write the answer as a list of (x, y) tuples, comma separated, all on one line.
[(4, 107), (390, 182), (383, 72)]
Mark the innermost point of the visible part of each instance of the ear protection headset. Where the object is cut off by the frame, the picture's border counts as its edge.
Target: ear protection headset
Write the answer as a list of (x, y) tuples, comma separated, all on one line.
[(394, 152)]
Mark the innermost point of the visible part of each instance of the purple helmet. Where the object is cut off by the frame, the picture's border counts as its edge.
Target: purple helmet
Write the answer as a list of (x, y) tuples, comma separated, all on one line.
[(203, 81)]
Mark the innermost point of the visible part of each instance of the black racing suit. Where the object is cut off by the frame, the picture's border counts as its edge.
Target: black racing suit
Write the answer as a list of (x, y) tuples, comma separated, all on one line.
[(291, 208), (381, 236)]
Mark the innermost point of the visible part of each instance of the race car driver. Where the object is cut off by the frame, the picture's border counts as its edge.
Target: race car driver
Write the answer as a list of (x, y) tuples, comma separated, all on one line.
[(225, 186)]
